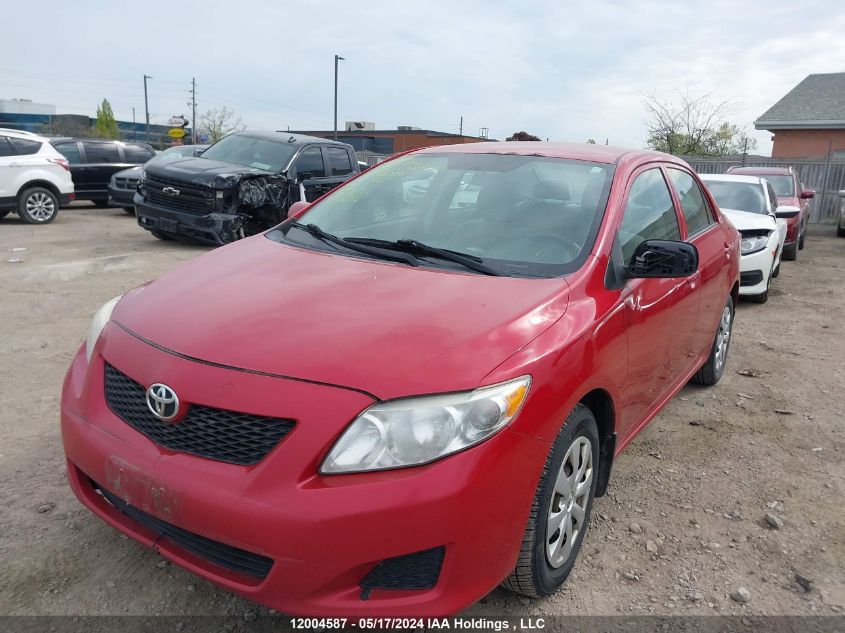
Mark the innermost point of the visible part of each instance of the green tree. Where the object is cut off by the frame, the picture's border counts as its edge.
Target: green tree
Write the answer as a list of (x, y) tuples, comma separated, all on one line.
[(694, 126), (106, 125), (522, 136), (591, 141)]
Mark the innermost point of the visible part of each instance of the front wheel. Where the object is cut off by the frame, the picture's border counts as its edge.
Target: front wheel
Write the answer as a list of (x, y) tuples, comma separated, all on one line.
[(790, 253), (38, 205), (129, 210), (714, 367), (560, 512), (840, 231)]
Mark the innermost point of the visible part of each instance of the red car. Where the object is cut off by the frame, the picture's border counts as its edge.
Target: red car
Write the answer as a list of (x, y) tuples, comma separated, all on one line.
[(790, 193), (413, 389)]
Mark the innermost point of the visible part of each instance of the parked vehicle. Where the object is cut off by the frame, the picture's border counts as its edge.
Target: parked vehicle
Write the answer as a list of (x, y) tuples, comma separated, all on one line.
[(94, 161), (124, 184), (388, 406), (240, 186), (751, 204), (34, 178), (791, 193)]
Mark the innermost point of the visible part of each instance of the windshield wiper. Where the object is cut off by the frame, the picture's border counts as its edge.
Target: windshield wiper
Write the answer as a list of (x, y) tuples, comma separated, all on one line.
[(413, 246), (381, 253)]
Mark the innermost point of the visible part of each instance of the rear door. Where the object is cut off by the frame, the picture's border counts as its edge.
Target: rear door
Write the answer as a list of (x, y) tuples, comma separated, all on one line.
[(7, 172), (101, 160), (660, 313), (701, 230), (340, 163)]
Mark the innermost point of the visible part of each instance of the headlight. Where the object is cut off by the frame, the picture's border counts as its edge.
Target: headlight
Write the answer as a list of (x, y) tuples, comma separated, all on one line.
[(101, 317), (754, 244), (416, 431)]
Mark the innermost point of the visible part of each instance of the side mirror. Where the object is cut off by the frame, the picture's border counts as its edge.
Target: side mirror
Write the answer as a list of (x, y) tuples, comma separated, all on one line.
[(663, 258), (806, 194), (297, 209), (786, 211)]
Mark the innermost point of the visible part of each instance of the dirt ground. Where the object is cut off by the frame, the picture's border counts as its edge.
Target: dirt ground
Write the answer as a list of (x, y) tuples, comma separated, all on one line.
[(682, 528)]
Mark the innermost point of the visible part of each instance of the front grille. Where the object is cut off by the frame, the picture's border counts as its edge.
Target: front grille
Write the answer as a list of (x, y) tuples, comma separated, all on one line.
[(750, 278), (189, 198), (130, 184), (219, 434), (213, 551), (412, 571)]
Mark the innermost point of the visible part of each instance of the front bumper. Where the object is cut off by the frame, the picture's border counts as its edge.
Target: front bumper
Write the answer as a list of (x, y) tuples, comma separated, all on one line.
[(755, 270), (210, 228), (121, 197), (323, 534)]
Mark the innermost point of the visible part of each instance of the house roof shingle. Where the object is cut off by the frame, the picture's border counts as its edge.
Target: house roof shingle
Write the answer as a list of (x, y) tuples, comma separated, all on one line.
[(816, 102)]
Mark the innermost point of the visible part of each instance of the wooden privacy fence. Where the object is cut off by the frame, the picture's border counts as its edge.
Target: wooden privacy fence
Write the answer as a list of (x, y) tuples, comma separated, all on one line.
[(826, 177)]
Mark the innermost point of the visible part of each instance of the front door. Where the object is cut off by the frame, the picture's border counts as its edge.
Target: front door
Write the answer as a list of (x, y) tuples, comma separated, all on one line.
[(311, 174), (660, 313)]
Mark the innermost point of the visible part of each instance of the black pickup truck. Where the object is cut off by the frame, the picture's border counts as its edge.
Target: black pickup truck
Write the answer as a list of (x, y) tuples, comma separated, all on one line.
[(240, 186)]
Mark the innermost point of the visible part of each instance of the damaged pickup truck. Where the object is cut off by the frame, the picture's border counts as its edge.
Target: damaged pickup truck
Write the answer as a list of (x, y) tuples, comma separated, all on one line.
[(240, 186)]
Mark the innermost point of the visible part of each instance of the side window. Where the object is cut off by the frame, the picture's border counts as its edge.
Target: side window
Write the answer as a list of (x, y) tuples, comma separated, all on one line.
[(649, 213), (310, 164), (69, 151), (338, 159), (5, 147), (101, 152), (137, 153), (773, 199), (24, 146), (693, 205)]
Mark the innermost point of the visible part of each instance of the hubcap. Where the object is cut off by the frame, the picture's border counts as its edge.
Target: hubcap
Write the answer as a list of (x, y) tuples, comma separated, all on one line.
[(723, 338), (40, 206), (568, 509)]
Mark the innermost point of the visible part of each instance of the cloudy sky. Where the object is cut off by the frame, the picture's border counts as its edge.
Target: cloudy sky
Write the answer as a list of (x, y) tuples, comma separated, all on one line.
[(562, 70)]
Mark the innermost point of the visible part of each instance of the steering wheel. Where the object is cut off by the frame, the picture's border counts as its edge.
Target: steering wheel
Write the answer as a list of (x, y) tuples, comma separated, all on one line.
[(544, 244)]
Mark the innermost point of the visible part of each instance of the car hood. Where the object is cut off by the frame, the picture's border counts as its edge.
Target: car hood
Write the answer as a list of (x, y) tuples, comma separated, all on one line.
[(198, 170), (791, 201), (379, 327), (132, 172), (745, 221)]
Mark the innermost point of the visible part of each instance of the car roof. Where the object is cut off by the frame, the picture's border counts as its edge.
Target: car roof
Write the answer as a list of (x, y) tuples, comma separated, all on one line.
[(753, 180), (762, 171), (21, 133), (574, 151), (280, 136)]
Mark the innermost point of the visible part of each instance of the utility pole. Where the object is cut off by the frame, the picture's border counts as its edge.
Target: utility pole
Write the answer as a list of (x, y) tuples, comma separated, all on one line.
[(337, 58), (147, 108), (193, 104), (461, 127), (744, 150), (134, 126)]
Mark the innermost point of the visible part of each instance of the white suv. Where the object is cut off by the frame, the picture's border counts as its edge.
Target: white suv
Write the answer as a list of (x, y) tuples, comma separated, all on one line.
[(34, 178)]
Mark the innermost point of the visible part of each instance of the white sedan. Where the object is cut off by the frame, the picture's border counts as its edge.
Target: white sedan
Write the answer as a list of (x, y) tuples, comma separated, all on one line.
[(750, 204)]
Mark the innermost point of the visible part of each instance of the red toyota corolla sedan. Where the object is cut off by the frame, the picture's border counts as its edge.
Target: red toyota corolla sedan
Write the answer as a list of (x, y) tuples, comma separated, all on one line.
[(412, 391)]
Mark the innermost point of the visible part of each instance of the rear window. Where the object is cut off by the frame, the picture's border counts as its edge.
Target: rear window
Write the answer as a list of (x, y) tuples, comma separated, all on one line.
[(739, 196), (783, 185), (338, 159), (69, 151), (249, 151), (137, 153)]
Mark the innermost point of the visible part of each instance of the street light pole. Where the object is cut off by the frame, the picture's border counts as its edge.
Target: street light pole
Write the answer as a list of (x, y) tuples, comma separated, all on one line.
[(337, 58), (147, 107)]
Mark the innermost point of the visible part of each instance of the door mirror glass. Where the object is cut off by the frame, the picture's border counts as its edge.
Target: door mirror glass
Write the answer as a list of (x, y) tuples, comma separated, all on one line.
[(663, 258)]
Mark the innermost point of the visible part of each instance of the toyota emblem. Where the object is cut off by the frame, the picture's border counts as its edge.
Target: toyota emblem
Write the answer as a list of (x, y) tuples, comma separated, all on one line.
[(162, 401)]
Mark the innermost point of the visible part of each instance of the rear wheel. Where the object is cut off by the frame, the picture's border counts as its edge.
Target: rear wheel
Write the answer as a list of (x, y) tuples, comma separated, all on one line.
[(38, 205), (801, 239), (790, 253), (100, 204), (561, 509), (712, 370)]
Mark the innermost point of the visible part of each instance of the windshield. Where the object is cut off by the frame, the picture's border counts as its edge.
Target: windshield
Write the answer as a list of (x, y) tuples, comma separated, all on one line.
[(783, 185), (741, 196), (257, 153), (172, 153), (519, 215)]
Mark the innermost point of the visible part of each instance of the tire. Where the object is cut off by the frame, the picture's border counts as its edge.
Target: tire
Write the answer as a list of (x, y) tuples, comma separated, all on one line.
[(801, 238), (129, 210), (3, 214), (541, 567), (37, 205), (840, 231), (790, 253), (162, 236), (776, 271), (100, 204), (761, 298), (711, 371)]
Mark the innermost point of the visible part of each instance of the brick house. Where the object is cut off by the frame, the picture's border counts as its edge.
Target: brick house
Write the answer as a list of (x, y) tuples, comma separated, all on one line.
[(809, 121)]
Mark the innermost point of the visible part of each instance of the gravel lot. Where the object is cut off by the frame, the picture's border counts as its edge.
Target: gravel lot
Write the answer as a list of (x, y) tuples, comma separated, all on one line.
[(739, 486)]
